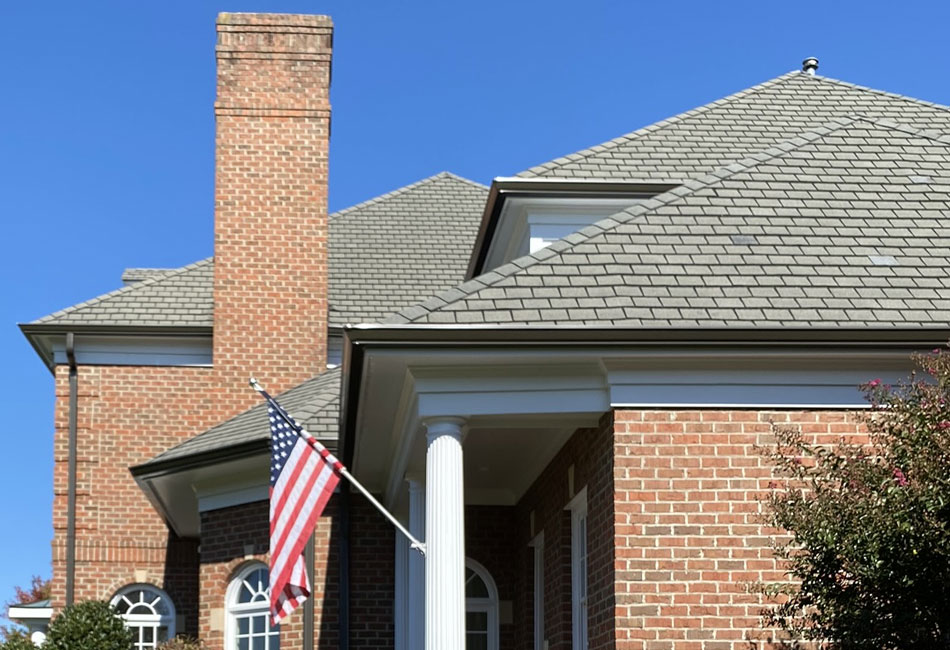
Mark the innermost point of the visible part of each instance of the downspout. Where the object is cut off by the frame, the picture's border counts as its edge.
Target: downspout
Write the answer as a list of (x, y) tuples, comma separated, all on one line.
[(308, 620), (71, 484), (344, 568)]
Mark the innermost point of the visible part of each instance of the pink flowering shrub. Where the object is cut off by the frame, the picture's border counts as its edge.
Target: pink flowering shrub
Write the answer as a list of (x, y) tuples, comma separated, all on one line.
[(868, 551)]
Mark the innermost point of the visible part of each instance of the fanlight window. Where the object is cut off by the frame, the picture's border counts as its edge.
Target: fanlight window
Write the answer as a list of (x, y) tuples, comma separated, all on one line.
[(248, 601), (481, 608), (148, 612)]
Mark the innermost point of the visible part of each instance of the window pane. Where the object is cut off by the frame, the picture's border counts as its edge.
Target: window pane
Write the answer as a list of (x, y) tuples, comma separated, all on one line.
[(243, 626), (476, 621), (258, 624), (476, 641), (243, 644), (258, 643), (475, 587)]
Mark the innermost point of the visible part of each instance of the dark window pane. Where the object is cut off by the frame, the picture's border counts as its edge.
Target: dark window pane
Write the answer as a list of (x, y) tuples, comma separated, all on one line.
[(476, 621)]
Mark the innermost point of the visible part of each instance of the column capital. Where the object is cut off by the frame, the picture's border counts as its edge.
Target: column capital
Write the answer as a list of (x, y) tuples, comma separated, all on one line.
[(444, 425)]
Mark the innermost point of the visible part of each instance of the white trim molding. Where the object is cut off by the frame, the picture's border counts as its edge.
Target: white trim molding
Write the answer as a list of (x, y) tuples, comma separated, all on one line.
[(579, 574)]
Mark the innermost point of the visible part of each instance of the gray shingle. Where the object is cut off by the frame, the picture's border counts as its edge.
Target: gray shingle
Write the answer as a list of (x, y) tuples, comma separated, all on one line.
[(385, 254), (827, 259), (713, 136), (315, 404)]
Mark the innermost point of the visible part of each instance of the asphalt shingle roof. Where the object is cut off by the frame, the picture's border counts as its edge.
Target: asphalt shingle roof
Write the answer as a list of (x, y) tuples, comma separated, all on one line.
[(385, 254), (799, 235), (315, 404), (177, 298), (401, 248), (712, 136)]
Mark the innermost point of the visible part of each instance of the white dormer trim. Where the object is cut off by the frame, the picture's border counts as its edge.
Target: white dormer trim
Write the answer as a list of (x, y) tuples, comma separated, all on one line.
[(527, 224)]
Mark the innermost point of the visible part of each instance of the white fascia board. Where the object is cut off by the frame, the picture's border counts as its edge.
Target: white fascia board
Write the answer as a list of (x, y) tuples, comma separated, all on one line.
[(118, 350), (30, 613), (742, 380)]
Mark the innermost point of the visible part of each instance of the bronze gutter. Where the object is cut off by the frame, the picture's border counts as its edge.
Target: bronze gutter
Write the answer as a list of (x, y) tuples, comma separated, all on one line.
[(71, 480)]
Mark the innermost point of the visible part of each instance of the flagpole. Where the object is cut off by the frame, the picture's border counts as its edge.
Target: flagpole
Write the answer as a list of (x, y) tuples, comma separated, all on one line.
[(345, 473)]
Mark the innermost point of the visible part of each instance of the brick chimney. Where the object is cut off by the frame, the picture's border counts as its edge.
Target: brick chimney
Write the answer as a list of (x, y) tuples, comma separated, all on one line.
[(270, 236)]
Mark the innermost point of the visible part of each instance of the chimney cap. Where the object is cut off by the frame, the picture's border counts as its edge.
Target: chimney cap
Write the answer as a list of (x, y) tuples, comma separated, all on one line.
[(809, 65)]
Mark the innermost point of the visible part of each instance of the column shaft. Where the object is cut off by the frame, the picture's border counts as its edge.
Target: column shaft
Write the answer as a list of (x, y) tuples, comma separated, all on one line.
[(445, 536)]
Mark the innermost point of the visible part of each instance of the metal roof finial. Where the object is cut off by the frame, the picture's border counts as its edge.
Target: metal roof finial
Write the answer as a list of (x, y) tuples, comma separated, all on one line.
[(809, 65)]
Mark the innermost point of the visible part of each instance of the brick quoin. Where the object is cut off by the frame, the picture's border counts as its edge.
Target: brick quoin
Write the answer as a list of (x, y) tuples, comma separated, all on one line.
[(270, 315)]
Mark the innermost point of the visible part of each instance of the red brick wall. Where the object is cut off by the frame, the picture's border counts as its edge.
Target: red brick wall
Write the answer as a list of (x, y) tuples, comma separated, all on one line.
[(590, 452), (270, 317), (489, 541), (232, 537), (126, 415), (688, 538)]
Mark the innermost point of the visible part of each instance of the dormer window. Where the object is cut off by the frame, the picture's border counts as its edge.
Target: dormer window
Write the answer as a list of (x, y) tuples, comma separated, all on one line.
[(524, 216)]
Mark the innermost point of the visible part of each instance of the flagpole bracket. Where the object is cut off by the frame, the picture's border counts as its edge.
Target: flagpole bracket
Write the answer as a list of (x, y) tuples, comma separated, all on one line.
[(419, 546)]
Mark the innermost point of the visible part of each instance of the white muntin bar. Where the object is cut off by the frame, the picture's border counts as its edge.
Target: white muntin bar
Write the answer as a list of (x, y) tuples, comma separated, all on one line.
[(445, 536)]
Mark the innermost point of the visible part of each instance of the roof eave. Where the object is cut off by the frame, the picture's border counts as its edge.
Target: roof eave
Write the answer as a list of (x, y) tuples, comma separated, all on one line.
[(358, 338), (504, 186), (33, 331)]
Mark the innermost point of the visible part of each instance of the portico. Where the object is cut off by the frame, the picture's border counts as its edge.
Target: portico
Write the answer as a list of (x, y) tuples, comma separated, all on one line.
[(502, 423)]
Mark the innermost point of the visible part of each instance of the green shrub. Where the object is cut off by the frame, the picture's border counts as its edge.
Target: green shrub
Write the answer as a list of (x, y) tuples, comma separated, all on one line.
[(869, 525), (90, 625), (181, 643), (17, 640)]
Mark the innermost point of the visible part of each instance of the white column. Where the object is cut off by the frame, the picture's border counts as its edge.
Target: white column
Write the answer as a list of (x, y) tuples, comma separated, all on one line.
[(417, 565), (445, 536)]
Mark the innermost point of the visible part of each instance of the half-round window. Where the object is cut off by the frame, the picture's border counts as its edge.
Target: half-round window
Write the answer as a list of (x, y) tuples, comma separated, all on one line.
[(248, 602), (148, 612), (481, 608)]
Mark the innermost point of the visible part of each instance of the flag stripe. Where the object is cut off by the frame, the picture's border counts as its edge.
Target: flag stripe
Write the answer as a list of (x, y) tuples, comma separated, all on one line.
[(303, 476)]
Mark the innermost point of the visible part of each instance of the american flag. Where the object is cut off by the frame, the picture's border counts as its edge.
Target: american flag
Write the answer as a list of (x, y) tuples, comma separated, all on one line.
[(303, 475)]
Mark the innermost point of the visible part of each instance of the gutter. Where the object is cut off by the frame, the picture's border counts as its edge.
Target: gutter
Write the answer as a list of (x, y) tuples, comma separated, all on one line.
[(502, 187), (71, 479), (359, 338)]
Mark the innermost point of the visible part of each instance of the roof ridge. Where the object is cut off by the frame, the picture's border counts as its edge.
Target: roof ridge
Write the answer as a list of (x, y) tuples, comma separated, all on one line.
[(689, 187), (876, 91), (123, 290), (656, 126), (402, 190)]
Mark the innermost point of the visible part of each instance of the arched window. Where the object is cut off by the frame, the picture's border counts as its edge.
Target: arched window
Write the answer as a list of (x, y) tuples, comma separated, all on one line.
[(248, 602), (481, 608), (148, 612)]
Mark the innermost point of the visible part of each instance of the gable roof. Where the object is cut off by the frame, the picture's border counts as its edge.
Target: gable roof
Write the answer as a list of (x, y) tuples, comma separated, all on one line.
[(315, 404), (730, 129), (386, 253), (790, 237)]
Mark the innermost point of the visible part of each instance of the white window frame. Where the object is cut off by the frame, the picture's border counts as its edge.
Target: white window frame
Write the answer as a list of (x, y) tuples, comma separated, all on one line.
[(488, 605), (538, 545), (138, 622), (579, 572), (233, 608)]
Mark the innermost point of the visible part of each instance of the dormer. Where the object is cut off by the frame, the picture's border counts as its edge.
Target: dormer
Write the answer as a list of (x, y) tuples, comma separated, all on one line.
[(523, 215)]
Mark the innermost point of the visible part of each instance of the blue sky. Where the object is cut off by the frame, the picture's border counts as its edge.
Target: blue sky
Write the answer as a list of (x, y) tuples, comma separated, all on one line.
[(106, 132)]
